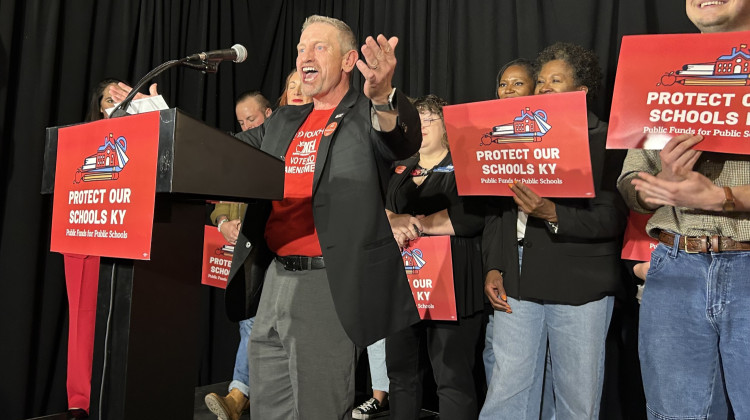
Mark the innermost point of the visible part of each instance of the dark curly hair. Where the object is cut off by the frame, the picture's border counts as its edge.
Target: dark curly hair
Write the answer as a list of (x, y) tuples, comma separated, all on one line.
[(584, 62), (434, 105)]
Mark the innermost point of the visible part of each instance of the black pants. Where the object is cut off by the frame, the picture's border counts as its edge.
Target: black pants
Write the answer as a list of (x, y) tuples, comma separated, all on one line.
[(451, 347)]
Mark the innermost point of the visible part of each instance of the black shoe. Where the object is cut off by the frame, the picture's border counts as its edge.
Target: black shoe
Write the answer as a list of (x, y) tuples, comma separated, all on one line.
[(78, 413), (370, 409)]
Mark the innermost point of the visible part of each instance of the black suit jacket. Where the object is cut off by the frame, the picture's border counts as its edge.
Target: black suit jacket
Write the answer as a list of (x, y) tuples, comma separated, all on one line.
[(363, 263), (581, 262)]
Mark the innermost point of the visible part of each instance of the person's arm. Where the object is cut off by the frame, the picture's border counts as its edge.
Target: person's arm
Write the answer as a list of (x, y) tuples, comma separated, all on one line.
[(465, 217), (405, 227), (120, 91), (221, 211), (220, 217), (695, 191), (603, 217), (492, 250), (495, 292), (438, 224), (671, 164)]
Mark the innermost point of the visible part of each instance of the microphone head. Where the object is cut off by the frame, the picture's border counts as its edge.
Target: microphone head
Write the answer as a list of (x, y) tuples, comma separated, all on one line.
[(241, 53)]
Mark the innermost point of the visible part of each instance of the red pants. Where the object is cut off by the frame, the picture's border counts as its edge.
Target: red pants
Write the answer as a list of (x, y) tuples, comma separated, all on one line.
[(82, 280)]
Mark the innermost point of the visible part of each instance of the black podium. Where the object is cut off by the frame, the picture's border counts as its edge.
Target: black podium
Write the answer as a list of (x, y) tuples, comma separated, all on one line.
[(146, 344)]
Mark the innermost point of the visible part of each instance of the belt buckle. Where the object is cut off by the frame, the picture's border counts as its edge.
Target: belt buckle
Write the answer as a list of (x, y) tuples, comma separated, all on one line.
[(291, 264), (296, 264)]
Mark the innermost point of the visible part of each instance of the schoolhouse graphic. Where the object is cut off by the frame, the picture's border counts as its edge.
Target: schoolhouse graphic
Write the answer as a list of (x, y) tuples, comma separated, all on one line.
[(106, 164), (413, 260), (225, 250), (731, 69), (525, 128)]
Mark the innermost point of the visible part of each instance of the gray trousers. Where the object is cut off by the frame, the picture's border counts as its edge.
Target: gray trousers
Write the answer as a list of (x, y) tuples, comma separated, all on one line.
[(302, 362)]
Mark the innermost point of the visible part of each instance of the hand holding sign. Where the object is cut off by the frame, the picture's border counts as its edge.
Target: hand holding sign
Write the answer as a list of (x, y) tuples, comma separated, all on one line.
[(532, 204), (678, 157), (405, 227), (230, 230)]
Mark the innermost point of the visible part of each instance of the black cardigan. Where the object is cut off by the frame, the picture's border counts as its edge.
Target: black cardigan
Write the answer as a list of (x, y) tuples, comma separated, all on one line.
[(438, 192), (581, 262)]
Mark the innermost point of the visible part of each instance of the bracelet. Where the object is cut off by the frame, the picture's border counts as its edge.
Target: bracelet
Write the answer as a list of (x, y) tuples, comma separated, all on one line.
[(219, 225)]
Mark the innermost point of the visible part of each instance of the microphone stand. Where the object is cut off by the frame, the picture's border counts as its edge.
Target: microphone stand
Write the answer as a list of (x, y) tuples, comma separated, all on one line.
[(206, 66)]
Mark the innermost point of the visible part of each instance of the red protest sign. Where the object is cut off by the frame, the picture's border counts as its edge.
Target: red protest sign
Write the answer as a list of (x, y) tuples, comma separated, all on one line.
[(429, 267), (217, 258), (541, 141), (105, 183), (663, 89), (637, 245)]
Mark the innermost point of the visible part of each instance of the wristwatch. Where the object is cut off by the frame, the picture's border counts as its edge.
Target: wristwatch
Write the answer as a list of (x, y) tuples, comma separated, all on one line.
[(552, 226), (729, 203), (390, 106)]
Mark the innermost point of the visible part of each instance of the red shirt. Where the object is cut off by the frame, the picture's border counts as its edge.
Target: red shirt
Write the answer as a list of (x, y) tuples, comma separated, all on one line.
[(290, 229)]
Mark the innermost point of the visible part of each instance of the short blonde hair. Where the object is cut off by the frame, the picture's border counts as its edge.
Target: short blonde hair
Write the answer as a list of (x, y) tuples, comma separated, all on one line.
[(346, 36)]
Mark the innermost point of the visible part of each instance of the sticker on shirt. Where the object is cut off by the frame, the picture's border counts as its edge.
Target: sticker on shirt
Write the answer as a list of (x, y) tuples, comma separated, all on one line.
[(330, 129), (400, 169)]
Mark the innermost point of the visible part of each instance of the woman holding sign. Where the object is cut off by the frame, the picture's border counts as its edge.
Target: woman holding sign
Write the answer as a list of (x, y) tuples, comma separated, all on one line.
[(422, 200), (516, 78), (551, 275)]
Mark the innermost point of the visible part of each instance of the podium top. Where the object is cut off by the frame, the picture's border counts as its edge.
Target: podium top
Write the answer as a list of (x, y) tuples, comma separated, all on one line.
[(196, 159)]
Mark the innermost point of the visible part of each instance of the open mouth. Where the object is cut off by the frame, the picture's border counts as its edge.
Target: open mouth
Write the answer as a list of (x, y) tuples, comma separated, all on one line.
[(309, 73), (711, 3)]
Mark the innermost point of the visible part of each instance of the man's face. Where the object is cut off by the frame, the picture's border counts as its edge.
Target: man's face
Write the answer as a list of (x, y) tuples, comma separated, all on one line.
[(719, 15), (249, 114), (319, 59)]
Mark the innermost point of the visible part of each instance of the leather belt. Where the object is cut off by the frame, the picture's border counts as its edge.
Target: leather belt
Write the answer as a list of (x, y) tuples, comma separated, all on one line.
[(301, 262), (695, 244)]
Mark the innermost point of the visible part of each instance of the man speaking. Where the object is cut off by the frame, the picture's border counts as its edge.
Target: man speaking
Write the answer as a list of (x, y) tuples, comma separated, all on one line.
[(324, 257)]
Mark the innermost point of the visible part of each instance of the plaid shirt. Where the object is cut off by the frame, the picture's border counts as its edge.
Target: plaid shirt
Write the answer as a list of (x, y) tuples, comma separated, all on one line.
[(723, 169)]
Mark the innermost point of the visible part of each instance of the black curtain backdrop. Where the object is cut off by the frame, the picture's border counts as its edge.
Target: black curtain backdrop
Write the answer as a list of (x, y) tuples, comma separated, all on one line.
[(53, 51)]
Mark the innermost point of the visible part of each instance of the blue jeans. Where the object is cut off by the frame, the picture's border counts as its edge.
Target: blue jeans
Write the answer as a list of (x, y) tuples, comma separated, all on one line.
[(694, 325), (378, 371), (576, 337), (488, 356), (241, 377)]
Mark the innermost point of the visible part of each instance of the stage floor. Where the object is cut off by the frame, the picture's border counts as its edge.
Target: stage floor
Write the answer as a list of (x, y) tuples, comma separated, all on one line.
[(201, 412)]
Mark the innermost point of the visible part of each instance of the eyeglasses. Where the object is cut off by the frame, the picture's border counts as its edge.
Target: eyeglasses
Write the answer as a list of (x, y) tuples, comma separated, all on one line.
[(426, 123)]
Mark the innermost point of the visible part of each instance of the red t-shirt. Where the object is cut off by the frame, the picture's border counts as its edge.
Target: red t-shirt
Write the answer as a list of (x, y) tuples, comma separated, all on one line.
[(290, 229)]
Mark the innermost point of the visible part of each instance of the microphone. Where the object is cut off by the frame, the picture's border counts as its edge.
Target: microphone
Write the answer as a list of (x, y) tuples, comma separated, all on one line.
[(237, 53), (207, 62)]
